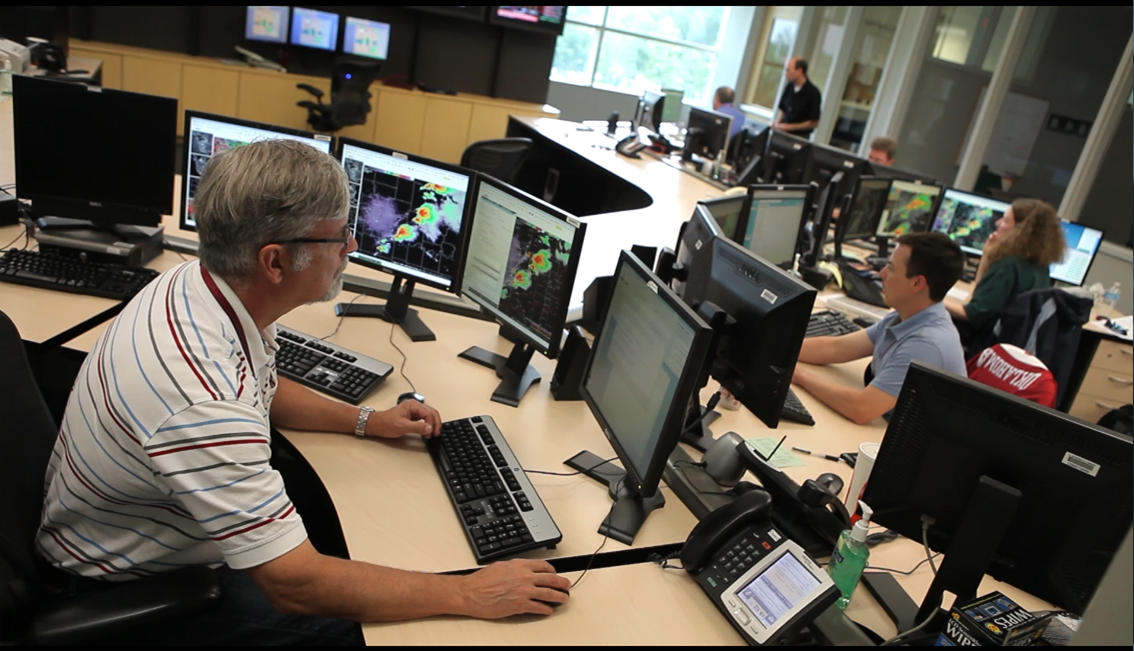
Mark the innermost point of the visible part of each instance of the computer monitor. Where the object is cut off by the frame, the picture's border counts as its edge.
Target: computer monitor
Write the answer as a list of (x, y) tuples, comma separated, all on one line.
[(747, 146), (547, 20), (1034, 497), (366, 38), (1082, 246), (968, 219), (314, 29), (774, 216), (267, 24), (707, 134), (768, 308), (820, 223), (909, 208), (520, 267), (639, 382), (727, 211), (827, 161), (409, 215), (94, 154), (650, 108), (695, 233), (866, 206), (787, 158), (671, 111), (207, 134)]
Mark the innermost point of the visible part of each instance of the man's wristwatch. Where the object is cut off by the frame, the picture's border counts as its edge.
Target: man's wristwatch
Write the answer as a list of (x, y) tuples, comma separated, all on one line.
[(363, 416)]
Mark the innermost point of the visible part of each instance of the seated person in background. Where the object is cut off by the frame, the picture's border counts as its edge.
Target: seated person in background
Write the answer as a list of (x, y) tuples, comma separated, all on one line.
[(1027, 239), (164, 459), (922, 268), (723, 103), (801, 103), (882, 151)]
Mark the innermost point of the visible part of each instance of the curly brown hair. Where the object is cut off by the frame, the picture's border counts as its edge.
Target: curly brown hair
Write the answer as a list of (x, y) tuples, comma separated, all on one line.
[(1037, 237)]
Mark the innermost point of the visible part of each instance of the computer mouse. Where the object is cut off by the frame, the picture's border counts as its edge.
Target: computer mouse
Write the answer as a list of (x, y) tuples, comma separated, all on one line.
[(411, 395), (553, 604)]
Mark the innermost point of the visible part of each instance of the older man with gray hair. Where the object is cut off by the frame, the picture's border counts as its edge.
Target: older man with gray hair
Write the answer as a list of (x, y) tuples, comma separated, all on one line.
[(163, 459)]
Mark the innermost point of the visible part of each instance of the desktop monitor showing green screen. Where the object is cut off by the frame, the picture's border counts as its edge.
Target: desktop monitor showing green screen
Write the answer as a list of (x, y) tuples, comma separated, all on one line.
[(671, 109), (366, 38), (520, 268), (774, 221), (409, 215), (206, 135), (727, 212), (909, 208), (314, 29), (968, 219), (1082, 246), (266, 24), (640, 382)]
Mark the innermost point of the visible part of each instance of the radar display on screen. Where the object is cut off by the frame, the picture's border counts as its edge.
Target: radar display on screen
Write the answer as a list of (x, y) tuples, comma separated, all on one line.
[(537, 273), (407, 216), (968, 219), (909, 209)]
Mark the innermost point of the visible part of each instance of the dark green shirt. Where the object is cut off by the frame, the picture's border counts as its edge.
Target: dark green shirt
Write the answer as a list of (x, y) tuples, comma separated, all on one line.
[(1007, 278)]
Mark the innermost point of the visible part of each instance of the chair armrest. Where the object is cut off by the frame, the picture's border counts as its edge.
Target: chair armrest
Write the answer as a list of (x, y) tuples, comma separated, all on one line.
[(311, 89), (118, 609), (309, 105)]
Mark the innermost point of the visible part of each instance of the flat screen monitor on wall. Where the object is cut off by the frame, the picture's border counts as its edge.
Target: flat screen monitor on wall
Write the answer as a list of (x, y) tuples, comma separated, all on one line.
[(366, 38), (267, 24), (314, 29), (548, 20)]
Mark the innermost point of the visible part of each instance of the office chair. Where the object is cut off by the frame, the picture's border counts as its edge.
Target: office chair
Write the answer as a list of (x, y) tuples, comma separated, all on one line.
[(350, 95), (499, 158), (27, 615)]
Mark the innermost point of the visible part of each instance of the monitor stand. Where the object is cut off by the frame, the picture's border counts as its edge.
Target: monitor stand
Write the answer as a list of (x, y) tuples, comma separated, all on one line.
[(971, 552), (630, 509), (883, 242), (701, 437), (396, 310), (515, 373)]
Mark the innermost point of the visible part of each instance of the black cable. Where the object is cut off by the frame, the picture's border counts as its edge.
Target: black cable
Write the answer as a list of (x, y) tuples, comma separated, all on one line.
[(664, 561), (889, 570), (568, 474), (341, 317), (402, 369), (700, 464), (605, 537), (23, 234), (716, 397)]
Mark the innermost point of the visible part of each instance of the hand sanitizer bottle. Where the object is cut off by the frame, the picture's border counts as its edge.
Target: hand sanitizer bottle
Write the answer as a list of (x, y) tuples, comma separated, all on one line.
[(850, 556)]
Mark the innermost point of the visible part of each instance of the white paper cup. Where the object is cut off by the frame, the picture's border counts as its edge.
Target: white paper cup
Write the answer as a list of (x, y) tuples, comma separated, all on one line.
[(867, 454)]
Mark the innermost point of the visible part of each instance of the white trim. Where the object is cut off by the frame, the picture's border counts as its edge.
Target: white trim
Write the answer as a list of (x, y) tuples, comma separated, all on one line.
[(899, 76), (837, 80)]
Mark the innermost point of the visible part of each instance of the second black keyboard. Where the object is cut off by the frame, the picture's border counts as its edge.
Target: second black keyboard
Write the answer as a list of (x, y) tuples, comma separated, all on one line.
[(829, 323), (65, 274), (496, 503), (327, 368), (795, 411)]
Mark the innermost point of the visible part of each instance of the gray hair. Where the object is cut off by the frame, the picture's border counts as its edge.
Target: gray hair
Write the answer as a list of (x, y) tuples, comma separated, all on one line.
[(264, 192)]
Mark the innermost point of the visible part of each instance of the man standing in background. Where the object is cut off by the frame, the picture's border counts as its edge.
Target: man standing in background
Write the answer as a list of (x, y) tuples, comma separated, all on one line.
[(798, 111)]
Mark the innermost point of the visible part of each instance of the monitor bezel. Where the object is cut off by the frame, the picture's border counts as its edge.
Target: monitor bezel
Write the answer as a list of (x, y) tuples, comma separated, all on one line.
[(346, 25), (95, 211), (937, 209), (335, 47), (746, 212), (466, 217), (551, 350), (188, 150), (686, 391), (932, 208), (286, 30), (875, 220), (897, 174), (1094, 254), (555, 29), (726, 199), (709, 113)]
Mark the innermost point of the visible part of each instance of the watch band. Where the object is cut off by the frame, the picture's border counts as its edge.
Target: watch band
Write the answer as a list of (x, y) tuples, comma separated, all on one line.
[(363, 416)]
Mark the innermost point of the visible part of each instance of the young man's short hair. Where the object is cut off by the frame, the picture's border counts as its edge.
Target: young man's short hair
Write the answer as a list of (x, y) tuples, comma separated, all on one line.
[(936, 257), (887, 146)]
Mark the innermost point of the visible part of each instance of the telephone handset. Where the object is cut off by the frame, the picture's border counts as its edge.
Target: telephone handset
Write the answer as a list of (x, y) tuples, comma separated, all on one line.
[(764, 583), (630, 146)]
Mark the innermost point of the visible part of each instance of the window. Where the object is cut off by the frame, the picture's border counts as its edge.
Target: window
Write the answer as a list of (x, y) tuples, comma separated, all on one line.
[(632, 49), (781, 24), (975, 36)]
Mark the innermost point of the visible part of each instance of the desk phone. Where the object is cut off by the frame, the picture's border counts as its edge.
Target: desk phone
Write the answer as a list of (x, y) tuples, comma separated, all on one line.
[(764, 583)]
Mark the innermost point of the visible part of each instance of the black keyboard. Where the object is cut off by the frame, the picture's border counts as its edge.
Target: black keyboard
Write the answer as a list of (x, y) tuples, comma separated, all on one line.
[(829, 323), (47, 271), (327, 368), (859, 288), (496, 503), (795, 411)]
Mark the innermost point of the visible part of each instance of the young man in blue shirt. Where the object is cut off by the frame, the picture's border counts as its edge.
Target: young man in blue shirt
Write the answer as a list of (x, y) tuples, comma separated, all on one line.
[(922, 269)]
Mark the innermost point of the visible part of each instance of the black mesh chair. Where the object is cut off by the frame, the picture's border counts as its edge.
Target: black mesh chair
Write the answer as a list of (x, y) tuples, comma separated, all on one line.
[(28, 615), (500, 158), (350, 95)]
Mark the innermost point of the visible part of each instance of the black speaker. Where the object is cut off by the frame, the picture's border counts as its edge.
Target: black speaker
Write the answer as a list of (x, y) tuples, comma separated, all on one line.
[(567, 382), (647, 254), (594, 302)]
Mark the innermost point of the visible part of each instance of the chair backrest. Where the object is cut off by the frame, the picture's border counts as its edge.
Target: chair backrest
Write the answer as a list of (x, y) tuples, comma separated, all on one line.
[(1011, 369), (27, 436), (350, 90), (500, 158)]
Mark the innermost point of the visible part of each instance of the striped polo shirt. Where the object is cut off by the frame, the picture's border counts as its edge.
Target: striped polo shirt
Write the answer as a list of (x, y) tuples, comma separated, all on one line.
[(163, 456)]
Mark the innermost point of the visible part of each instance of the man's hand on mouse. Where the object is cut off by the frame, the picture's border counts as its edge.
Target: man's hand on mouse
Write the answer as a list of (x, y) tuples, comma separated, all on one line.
[(408, 417), (513, 587)]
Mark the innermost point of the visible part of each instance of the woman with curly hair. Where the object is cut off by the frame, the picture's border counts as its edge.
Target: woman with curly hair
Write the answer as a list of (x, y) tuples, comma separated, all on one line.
[(1027, 240)]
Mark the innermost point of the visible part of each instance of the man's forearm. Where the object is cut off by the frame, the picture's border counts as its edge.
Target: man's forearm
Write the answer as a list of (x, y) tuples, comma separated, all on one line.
[(297, 407), (843, 399)]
